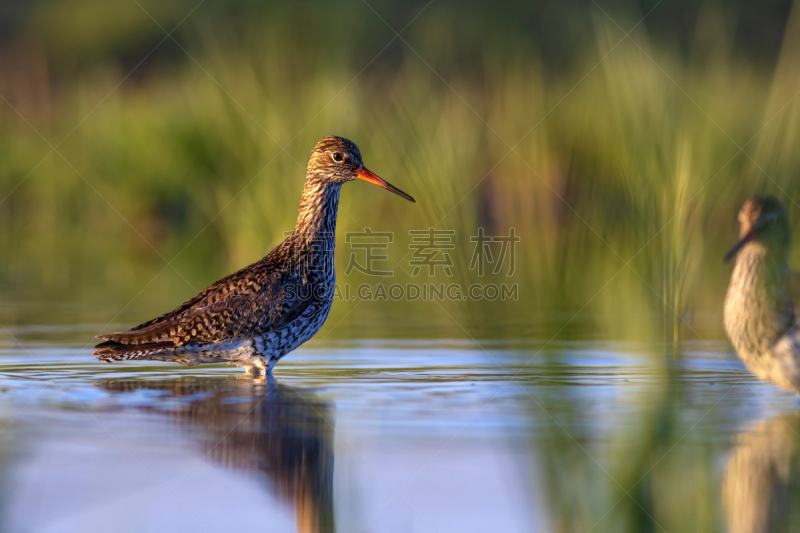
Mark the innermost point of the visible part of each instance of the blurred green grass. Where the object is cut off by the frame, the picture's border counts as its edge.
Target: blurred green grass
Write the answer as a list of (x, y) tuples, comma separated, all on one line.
[(631, 157), (616, 159)]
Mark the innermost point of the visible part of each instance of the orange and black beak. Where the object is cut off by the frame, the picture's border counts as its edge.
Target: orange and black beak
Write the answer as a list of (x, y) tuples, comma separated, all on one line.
[(749, 236), (366, 175)]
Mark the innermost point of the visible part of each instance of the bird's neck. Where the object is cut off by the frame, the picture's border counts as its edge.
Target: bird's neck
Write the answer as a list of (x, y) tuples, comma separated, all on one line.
[(758, 305), (317, 214)]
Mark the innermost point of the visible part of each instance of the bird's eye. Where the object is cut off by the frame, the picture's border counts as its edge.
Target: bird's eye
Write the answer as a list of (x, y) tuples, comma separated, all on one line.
[(338, 157)]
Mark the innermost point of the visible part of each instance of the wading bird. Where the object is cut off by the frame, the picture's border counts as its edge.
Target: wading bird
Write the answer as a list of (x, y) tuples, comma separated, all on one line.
[(257, 315), (759, 313)]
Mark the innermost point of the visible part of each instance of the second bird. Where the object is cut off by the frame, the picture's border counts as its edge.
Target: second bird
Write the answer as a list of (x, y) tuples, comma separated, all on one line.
[(257, 315), (759, 313)]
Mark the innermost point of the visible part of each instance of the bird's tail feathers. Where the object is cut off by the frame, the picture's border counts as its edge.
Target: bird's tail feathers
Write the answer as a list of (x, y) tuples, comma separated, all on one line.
[(154, 334), (114, 351)]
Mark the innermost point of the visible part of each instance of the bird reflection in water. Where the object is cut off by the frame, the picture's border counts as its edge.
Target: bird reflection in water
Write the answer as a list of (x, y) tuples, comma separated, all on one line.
[(257, 426), (761, 487)]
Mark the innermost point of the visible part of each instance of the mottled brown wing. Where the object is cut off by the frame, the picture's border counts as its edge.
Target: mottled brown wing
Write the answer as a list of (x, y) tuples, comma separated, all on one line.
[(238, 307), (242, 315), (206, 296)]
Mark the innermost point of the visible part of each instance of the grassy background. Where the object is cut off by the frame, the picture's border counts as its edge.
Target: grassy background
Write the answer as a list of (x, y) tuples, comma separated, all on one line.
[(621, 161)]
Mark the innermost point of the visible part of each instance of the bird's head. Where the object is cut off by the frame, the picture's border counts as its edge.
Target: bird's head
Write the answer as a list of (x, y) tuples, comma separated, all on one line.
[(762, 219), (338, 160)]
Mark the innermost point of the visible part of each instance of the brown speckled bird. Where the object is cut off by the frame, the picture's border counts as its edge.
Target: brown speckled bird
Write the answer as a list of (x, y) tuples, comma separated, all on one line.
[(759, 313), (257, 315)]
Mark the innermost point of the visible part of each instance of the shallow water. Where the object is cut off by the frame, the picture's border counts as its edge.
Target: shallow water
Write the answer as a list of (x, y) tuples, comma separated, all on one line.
[(390, 435)]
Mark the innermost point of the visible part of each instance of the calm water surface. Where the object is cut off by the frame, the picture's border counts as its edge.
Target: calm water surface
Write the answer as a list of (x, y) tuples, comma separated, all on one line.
[(383, 435)]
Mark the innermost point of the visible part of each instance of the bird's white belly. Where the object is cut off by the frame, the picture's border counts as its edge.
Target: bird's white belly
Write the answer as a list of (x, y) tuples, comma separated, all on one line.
[(239, 352)]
